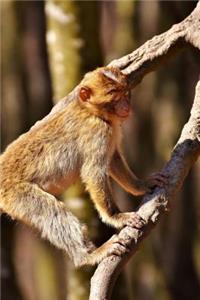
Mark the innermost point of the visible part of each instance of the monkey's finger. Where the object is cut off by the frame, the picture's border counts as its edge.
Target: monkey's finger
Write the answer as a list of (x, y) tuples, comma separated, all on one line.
[(137, 218), (135, 223), (159, 178), (125, 241), (156, 182)]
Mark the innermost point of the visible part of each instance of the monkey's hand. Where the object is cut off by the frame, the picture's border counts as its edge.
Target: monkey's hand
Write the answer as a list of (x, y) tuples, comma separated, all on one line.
[(117, 245), (131, 219), (156, 179)]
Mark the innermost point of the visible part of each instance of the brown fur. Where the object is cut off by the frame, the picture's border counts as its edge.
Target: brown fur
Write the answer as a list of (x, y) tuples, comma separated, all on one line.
[(76, 139)]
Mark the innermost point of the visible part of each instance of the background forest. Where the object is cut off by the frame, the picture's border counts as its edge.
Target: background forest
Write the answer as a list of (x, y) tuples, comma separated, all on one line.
[(46, 47)]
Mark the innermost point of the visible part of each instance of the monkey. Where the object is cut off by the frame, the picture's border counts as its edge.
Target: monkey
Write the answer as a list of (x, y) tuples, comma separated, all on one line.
[(80, 138)]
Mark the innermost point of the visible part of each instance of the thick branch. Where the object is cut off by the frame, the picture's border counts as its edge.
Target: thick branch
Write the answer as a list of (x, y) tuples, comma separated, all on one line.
[(184, 155)]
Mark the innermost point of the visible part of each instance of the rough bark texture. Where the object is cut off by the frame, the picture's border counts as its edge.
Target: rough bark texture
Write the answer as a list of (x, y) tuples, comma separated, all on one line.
[(157, 50), (137, 65)]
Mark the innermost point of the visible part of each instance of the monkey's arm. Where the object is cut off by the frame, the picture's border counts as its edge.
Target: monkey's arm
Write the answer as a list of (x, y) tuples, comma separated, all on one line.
[(121, 173), (97, 183)]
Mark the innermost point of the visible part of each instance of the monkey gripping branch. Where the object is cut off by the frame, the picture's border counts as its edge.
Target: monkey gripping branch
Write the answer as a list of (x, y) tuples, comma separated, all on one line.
[(47, 159), (136, 65)]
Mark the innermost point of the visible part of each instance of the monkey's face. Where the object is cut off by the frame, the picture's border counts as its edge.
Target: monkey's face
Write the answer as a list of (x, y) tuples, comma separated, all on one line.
[(105, 92), (118, 105)]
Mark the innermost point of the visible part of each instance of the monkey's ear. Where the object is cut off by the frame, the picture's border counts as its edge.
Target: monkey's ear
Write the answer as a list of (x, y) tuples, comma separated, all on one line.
[(85, 93)]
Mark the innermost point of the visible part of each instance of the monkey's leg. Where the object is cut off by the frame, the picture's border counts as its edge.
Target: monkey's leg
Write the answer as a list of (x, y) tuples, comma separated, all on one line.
[(28, 203)]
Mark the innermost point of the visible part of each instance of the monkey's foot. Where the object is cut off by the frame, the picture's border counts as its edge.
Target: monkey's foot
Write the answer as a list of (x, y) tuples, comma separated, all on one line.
[(114, 246), (117, 246), (157, 179), (131, 219)]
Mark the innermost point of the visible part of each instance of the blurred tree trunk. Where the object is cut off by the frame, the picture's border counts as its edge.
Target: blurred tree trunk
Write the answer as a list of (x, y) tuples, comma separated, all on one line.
[(35, 68), (13, 123), (26, 97), (9, 287), (74, 49)]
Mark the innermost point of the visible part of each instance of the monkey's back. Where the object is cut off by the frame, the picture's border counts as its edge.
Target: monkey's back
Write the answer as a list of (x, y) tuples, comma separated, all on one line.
[(50, 153), (40, 153)]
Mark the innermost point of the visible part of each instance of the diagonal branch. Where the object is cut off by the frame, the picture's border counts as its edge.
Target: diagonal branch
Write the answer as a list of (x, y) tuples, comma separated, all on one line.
[(136, 65)]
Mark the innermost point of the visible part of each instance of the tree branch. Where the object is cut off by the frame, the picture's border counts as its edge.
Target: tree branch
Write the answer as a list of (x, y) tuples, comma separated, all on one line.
[(136, 65), (160, 48)]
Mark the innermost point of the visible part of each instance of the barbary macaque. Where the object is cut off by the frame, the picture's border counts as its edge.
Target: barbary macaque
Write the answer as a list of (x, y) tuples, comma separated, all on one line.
[(80, 137)]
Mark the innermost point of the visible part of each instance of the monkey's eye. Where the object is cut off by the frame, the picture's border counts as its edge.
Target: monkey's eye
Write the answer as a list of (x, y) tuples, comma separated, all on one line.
[(112, 91), (85, 93)]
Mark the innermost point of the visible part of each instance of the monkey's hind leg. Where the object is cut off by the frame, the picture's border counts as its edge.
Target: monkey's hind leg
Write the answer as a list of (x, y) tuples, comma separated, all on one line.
[(30, 204)]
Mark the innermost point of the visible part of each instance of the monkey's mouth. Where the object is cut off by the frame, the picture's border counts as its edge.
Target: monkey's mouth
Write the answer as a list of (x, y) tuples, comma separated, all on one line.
[(123, 108)]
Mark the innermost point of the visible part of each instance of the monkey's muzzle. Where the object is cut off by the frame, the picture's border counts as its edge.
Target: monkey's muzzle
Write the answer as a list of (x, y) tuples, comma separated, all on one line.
[(123, 108)]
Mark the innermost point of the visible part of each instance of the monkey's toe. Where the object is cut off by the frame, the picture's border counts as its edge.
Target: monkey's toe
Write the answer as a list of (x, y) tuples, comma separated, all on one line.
[(118, 248)]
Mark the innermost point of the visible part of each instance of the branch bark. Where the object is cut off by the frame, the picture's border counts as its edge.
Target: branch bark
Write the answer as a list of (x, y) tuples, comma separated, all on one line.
[(160, 48), (136, 65)]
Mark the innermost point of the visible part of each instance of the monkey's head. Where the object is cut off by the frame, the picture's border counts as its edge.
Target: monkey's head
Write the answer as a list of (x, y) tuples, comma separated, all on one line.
[(105, 92)]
